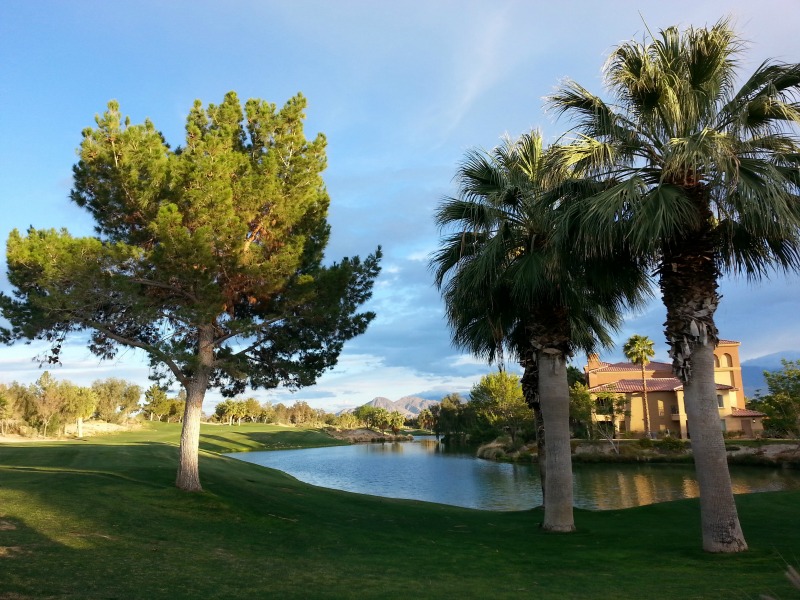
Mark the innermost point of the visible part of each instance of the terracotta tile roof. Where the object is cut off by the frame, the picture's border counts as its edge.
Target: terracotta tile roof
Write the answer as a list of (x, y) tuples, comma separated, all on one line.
[(729, 342), (743, 412), (626, 366), (654, 384)]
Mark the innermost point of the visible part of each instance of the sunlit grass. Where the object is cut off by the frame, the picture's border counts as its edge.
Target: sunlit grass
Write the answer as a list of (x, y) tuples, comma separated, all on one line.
[(101, 519)]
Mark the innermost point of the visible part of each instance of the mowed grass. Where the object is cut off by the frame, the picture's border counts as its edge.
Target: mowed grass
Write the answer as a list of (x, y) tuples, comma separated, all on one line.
[(100, 519)]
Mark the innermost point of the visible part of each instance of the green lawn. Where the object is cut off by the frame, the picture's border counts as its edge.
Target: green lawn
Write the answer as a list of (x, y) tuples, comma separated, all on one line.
[(100, 519)]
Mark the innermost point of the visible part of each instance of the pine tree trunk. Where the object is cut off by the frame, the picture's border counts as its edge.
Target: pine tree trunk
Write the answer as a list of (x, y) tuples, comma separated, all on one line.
[(188, 477), (719, 519), (554, 399)]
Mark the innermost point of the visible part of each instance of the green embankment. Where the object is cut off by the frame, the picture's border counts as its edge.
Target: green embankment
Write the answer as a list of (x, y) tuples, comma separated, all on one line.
[(100, 519)]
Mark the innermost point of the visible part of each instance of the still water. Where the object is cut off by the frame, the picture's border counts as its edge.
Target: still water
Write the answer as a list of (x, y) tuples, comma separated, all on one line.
[(424, 470)]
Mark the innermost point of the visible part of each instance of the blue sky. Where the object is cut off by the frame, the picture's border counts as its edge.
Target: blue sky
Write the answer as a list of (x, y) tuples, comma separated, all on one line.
[(400, 89)]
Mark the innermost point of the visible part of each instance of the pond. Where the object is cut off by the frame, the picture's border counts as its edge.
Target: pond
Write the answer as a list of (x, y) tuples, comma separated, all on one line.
[(425, 470)]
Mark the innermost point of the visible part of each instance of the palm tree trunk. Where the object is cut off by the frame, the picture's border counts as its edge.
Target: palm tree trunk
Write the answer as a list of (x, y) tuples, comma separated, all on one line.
[(719, 519), (688, 279), (554, 398), (530, 389), (646, 407)]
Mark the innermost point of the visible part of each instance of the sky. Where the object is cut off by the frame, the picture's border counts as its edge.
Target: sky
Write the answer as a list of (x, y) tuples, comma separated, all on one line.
[(402, 90)]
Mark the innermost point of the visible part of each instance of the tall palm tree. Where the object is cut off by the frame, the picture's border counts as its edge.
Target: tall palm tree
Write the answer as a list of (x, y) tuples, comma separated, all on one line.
[(702, 179), (507, 284), (639, 350)]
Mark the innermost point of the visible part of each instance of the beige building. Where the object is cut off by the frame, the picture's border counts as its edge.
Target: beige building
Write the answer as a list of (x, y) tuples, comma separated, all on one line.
[(665, 394)]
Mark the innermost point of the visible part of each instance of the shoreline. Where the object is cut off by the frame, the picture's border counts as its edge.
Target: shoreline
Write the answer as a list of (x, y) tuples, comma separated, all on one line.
[(770, 453)]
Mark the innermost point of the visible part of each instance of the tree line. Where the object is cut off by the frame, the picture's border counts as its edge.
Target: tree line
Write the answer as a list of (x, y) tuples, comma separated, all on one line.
[(49, 405)]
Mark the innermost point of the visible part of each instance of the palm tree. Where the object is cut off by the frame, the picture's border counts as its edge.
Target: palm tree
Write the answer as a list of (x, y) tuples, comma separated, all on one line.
[(507, 285), (702, 179), (639, 350)]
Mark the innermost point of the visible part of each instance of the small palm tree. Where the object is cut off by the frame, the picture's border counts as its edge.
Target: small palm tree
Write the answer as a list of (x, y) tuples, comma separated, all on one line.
[(508, 285), (639, 350), (702, 178)]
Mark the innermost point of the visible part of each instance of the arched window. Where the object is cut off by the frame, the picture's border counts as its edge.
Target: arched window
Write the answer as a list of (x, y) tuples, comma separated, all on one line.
[(728, 360), (716, 361)]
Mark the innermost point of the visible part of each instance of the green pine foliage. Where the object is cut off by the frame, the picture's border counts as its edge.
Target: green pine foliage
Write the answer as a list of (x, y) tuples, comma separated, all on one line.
[(209, 256)]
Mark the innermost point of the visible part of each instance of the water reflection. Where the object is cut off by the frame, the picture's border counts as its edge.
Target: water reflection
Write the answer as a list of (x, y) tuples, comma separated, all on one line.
[(425, 470)]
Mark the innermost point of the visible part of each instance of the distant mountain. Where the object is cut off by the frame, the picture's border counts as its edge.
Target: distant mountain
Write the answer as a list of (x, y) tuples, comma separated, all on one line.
[(381, 402), (410, 406), (415, 404), (753, 370)]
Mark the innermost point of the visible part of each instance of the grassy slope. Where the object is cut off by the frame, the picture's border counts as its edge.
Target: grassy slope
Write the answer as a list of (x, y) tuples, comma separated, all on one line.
[(101, 519)]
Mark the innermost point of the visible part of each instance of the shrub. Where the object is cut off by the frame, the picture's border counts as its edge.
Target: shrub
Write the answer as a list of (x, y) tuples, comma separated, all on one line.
[(645, 443), (671, 444)]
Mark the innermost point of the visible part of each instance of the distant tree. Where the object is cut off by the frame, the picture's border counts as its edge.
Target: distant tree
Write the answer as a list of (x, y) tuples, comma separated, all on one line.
[(498, 398), (47, 399), (782, 404), (395, 421), (301, 413), (581, 410), (575, 375), (156, 402), (240, 410), (267, 413), (380, 419), (116, 399), (208, 257), (425, 419), (366, 414), (639, 350), (281, 413), (225, 411), (346, 420), (252, 409), (6, 409), (177, 408), (455, 418), (21, 401), (614, 406), (79, 404)]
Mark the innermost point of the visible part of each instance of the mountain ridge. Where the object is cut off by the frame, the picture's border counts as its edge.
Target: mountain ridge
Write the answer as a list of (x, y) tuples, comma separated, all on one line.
[(408, 406), (753, 370)]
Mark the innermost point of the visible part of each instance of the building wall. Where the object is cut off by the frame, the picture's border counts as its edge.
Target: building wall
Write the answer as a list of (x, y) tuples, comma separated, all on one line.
[(666, 409), (728, 369), (661, 406)]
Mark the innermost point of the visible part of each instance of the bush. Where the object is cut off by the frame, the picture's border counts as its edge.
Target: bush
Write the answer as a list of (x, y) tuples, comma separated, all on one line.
[(671, 444), (645, 443)]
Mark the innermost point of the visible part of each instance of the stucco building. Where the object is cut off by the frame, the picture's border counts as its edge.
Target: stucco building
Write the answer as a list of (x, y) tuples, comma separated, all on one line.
[(665, 394)]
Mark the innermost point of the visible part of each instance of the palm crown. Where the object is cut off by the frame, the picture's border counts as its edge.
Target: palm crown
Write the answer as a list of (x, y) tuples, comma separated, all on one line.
[(683, 150), (698, 177), (501, 271)]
